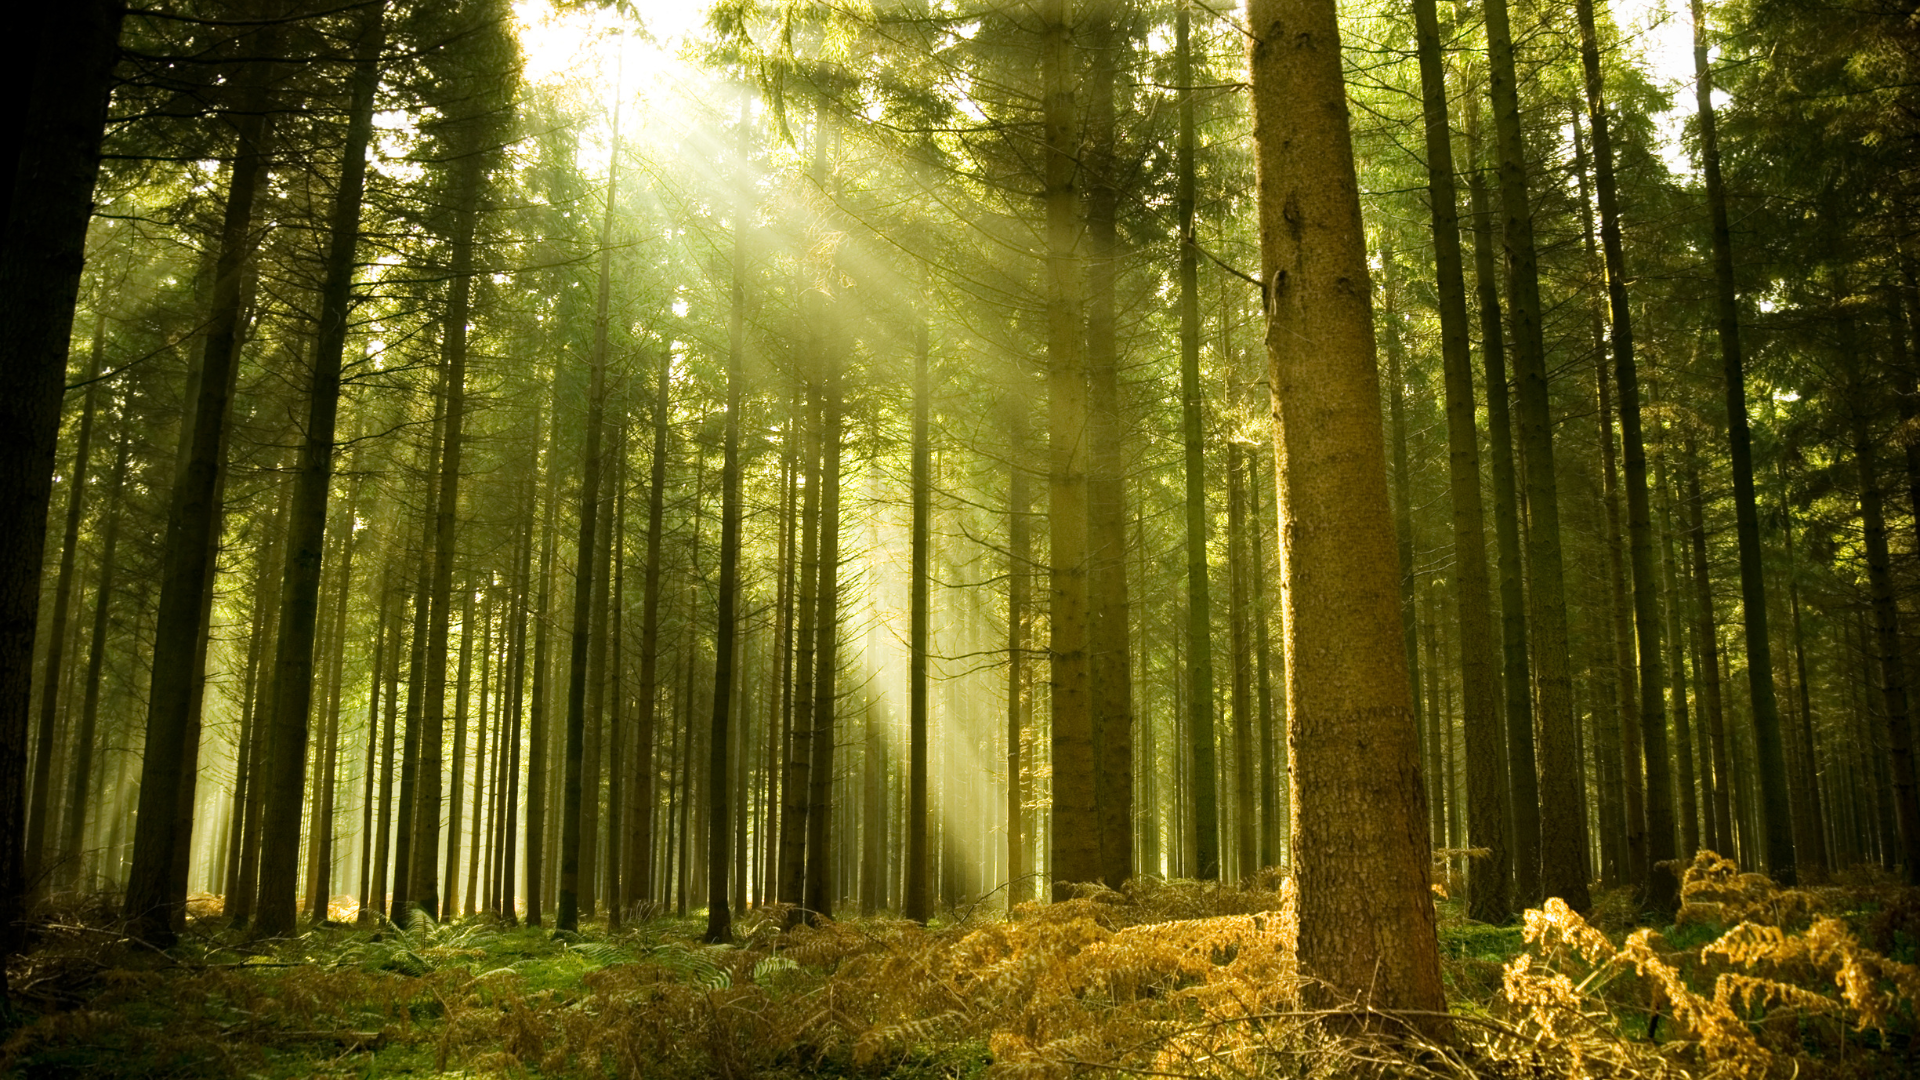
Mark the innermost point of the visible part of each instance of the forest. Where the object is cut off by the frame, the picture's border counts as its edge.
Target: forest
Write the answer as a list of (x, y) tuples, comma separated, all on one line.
[(960, 538)]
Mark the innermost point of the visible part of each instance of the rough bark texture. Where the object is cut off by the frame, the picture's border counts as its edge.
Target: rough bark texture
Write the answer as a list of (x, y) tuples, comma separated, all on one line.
[(1359, 828)]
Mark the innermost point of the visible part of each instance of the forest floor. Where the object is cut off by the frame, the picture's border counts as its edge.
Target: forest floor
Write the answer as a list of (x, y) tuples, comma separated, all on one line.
[(1167, 979)]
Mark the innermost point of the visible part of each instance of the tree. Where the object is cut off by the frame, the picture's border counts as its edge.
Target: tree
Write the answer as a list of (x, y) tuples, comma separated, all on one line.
[(1359, 842)]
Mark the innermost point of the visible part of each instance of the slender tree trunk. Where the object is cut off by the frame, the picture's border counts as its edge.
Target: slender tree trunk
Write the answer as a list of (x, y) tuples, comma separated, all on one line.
[(572, 796), (1676, 667), (640, 886), (80, 769), (320, 846), (1776, 808), (726, 628), (368, 901), (1707, 634), (538, 737), (1075, 833), (307, 522), (1490, 879), (1109, 661), (150, 905), (819, 897), (35, 866), (1199, 637), (1562, 829), (1360, 849), (1658, 848), (616, 714), (1245, 848), (1517, 680), (1886, 616)]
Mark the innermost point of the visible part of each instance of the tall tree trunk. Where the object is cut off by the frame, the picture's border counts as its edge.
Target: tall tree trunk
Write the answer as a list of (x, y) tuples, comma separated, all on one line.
[(616, 690), (1523, 777), (1199, 635), (1886, 613), (35, 866), (1562, 828), (1110, 665), (726, 629), (538, 736), (1360, 849), (1707, 634), (1776, 816), (1272, 754), (1424, 720), (368, 901), (1676, 667), (818, 898), (1490, 878), (1663, 888), (1245, 848), (307, 522), (640, 885), (572, 797), (320, 845), (918, 904), (150, 904), (1075, 832), (80, 769), (69, 53)]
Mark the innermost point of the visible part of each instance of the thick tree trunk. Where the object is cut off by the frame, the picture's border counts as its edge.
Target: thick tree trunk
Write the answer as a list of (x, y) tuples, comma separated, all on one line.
[(69, 52), (1359, 841)]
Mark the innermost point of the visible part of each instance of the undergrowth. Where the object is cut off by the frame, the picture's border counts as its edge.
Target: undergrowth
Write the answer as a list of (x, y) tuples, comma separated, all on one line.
[(1179, 979)]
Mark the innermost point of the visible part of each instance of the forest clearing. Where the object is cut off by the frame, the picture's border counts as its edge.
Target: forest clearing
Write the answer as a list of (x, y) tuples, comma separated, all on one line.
[(949, 538)]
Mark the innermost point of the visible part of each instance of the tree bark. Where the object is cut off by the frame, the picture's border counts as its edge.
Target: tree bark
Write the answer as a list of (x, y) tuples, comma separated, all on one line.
[(1562, 825), (307, 521), (1489, 879), (1199, 630), (1359, 841), (150, 903)]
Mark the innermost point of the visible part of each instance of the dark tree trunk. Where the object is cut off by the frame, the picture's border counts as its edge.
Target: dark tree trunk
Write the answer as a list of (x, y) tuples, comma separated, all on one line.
[(1487, 781), (150, 903), (572, 796), (35, 866), (307, 522), (1199, 636)]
